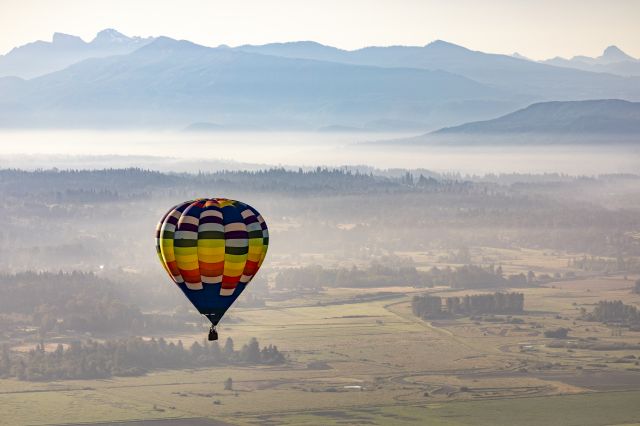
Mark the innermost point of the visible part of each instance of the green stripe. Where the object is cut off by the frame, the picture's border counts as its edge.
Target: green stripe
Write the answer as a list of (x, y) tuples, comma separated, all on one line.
[(236, 250), (185, 243), (211, 235)]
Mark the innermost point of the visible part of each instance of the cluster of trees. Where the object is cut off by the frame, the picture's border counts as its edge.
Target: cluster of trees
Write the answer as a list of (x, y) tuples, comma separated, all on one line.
[(128, 357), (606, 265), (80, 302), (399, 273), (497, 303), (613, 312), (472, 276), (388, 272), (557, 333)]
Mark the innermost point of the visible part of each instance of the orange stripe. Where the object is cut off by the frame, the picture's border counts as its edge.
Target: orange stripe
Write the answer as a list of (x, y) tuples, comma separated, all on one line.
[(211, 269)]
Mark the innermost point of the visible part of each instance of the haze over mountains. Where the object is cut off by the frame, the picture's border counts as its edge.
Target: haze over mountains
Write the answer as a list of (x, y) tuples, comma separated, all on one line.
[(42, 57), (512, 74), (598, 122), (118, 81), (169, 82), (609, 116), (613, 60)]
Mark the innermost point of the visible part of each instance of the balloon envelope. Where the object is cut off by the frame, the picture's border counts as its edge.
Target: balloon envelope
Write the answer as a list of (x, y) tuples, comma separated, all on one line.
[(211, 248)]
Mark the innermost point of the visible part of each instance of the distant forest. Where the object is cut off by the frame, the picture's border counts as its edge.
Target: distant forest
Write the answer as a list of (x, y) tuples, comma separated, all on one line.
[(105, 217), (429, 307), (392, 272), (128, 357)]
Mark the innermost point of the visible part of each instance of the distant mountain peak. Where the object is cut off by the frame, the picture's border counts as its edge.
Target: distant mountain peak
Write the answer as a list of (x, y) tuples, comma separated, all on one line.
[(441, 44), (304, 43), (66, 39), (519, 56), (615, 54), (301, 45), (110, 35), (168, 43)]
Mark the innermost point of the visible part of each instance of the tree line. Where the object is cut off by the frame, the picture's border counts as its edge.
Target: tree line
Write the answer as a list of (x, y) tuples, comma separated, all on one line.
[(429, 306), (395, 272), (606, 265), (607, 311), (128, 357)]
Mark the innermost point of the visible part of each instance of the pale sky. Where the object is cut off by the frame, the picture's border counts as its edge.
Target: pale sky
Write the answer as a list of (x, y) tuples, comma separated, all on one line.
[(538, 29)]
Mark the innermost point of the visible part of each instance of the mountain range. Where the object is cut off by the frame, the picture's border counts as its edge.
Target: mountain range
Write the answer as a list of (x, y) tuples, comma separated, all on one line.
[(173, 83), (120, 81), (512, 74), (42, 57), (613, 61)]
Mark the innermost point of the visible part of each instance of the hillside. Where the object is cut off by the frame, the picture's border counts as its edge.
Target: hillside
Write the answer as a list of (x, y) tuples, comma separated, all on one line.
[(609, 116)]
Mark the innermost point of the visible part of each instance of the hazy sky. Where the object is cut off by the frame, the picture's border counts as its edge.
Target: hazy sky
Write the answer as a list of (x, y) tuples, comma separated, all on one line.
[(535, 28)]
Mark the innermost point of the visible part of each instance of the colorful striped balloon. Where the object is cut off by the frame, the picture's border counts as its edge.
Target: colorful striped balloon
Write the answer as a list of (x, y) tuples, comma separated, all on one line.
[(211, 248)]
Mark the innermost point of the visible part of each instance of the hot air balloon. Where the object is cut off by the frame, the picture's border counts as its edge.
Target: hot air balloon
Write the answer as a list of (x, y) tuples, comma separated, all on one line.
[(212, 248)]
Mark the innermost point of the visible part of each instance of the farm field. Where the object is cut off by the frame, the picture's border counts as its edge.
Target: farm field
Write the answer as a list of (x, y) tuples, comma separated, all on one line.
[(375, 362)]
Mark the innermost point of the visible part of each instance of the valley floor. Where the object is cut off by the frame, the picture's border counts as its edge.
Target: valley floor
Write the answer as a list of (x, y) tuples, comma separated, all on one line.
[(374, 362)]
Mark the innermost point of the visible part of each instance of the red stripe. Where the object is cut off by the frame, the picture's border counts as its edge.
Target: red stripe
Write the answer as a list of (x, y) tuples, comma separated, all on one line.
[(211, 269), (191, 276), (250, 268), (173, 267), (230, 282)]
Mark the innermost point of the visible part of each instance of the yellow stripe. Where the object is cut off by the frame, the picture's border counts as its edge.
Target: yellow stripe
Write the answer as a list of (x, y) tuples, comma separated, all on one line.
[(189, 257), (218, 251), (210, 258), (255, 250), (187, 265), (185, 251), (235, 258), (263, 255)]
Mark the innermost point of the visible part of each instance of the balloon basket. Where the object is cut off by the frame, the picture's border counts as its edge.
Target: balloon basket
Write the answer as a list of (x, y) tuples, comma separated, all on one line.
[(213, 334)]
